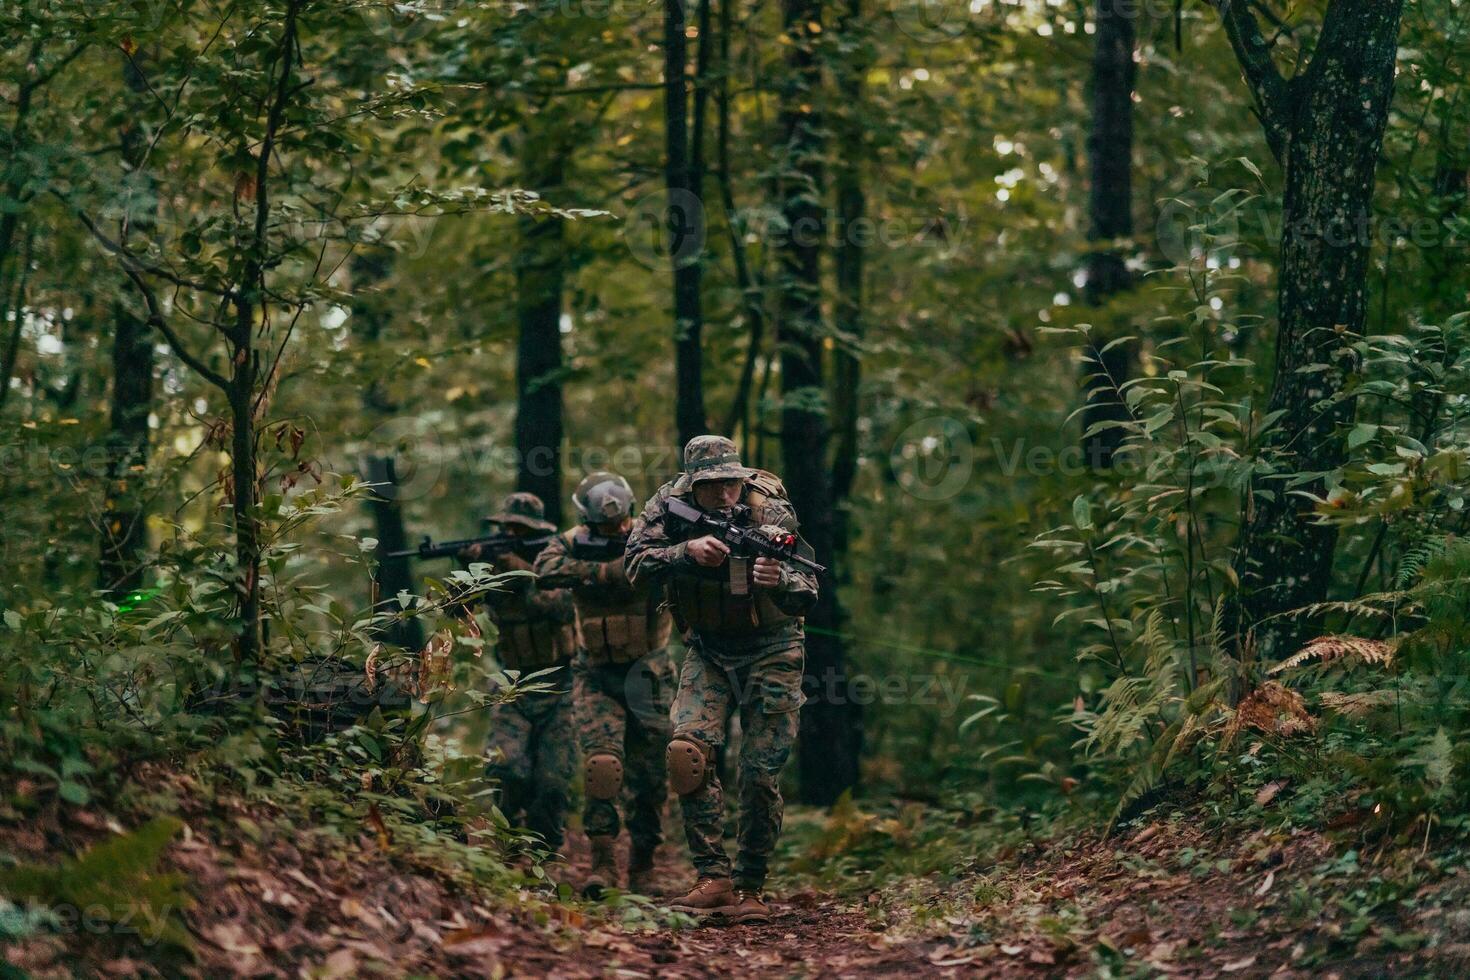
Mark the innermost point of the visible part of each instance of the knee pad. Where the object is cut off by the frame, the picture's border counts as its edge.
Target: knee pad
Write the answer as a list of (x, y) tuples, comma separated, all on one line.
[(603, 774), (688, 762)]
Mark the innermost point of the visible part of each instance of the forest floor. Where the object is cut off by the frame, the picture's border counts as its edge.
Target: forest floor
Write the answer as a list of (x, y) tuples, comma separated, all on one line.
[(1166, 897)]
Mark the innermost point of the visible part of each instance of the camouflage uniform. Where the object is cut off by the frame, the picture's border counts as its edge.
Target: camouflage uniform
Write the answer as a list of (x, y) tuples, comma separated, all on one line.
[(531, 750), (746, 654), (622, 684)]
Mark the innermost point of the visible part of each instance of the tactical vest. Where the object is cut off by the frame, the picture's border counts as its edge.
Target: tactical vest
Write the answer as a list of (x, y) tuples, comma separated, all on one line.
[(619, 624), (713, 601), (529, 639)]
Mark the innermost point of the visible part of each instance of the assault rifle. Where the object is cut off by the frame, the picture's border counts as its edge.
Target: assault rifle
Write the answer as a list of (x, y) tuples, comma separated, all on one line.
[(588, 546), (749, 542), (492, 546)]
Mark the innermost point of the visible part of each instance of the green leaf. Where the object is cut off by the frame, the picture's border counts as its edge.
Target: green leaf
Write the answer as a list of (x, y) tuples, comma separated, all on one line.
[(74, 793), (1082, 513)]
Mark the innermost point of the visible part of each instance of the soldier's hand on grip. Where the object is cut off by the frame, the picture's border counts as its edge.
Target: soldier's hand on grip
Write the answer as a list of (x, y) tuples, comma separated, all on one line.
[(767, 572), (708, 551)]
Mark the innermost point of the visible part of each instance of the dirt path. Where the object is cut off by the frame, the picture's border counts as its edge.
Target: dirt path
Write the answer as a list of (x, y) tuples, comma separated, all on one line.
[(1171, 898), (812, 934)]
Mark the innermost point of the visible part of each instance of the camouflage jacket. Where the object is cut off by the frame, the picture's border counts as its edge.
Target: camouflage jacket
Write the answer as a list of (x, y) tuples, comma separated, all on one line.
[(658, 555)]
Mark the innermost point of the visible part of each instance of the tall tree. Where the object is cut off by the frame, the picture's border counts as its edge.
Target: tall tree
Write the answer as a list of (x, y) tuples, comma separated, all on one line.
[(683, 180), (1110, 213), (370, 269), (540, 269), (241, 300), (851, 255), (125, 513), (21, 179), (829, 739), (1325, 126)]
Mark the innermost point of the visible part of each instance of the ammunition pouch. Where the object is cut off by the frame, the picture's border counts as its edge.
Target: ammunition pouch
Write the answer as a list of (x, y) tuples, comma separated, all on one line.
[(708, 602), (535, 644)]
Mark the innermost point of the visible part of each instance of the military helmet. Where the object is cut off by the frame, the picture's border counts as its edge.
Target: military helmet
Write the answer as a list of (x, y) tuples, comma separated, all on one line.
[(604, 497), (525, 509), (712, 458)]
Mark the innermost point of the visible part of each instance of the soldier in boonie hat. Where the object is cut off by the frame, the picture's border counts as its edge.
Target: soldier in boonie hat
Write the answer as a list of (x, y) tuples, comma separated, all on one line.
[(711, 458), (742, 621), (523, 510)]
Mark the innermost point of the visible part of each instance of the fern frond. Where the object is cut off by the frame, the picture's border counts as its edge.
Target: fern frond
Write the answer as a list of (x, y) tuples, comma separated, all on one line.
[(1331, 649), (1351, 607), (1412, 565), (1157, 645), (1272, 709), (1358, 705)]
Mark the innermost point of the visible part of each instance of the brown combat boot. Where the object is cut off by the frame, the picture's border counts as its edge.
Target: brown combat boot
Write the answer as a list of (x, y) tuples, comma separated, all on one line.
[(706, 896), (748, 909), (640, 872), (604, 873)]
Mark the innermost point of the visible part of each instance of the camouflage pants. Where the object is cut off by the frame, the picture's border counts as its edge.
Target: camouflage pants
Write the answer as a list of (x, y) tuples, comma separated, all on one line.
[(623, 709), (532, 753), (768, 696)]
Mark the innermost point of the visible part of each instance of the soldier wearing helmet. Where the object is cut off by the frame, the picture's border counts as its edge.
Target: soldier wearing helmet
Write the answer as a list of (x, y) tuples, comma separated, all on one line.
[(622, 679), (741, 618), (531, 753)]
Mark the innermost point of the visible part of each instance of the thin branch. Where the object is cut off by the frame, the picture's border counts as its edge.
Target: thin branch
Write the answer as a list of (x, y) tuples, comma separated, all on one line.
[(43, 79), (17, 310), (750, 292), (1268, 87), (158, 320), (131, 262)]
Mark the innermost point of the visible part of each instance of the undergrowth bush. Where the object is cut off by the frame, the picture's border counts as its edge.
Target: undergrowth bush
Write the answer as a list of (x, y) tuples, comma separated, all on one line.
[(333, 727)]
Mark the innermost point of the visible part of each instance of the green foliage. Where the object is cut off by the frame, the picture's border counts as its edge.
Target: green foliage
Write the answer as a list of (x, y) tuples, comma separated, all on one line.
[(116, 881), (388, 259)]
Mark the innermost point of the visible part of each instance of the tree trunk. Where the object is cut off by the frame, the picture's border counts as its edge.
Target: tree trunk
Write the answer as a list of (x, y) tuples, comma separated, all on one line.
[(540, 273), (830, 732), (1110, 209), (686, 229), (245, 366), (751, 292), (1326, 126), (852, 208), (13, 302), (394, 575), (125, 514), (244, 474), (370, 269)]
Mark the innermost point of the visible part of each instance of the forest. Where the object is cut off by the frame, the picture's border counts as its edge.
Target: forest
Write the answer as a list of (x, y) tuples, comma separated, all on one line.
[(1110, 357)]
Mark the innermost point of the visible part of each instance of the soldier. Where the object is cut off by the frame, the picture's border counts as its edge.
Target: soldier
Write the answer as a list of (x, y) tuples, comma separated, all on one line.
[(531, 749), (742, 624), (622, 680)]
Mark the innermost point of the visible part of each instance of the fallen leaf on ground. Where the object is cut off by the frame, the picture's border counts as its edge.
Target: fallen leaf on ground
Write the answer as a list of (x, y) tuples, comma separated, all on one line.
[(1267, 793)]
